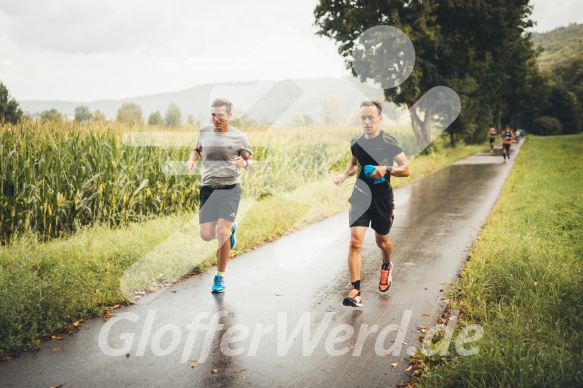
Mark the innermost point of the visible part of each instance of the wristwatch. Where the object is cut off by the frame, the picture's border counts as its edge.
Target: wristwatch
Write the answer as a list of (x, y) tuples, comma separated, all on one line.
[(389, 169)]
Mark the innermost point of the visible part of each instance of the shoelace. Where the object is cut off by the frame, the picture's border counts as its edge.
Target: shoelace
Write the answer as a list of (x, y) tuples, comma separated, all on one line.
[(384, 276)]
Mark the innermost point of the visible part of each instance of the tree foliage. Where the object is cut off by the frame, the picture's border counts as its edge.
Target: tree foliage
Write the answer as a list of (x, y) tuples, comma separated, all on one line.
[(51, 115), (546, 125), (566, 108), (479, 49), (331, 112), (130, 113), (98, 117), (9, 108), (82, 113), (173, 116), (155, 118), (559, 45), (243, 121)]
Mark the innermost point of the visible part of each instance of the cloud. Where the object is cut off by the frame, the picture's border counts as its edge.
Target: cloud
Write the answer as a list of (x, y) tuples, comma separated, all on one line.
[(550, 15), (71, 26)]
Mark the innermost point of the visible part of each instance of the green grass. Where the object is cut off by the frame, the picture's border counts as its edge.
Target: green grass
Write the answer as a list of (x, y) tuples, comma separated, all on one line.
[(46, 286), (524, 283)]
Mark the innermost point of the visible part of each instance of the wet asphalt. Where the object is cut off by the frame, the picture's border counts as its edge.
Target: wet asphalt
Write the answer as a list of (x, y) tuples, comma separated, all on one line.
[(281, 322)]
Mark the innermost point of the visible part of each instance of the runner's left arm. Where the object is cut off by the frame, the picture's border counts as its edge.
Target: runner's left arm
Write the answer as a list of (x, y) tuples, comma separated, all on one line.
[(245, 160), (402, 169)]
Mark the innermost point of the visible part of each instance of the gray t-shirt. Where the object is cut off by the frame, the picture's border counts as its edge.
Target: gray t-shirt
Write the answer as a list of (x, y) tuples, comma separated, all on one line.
[(219, 150)]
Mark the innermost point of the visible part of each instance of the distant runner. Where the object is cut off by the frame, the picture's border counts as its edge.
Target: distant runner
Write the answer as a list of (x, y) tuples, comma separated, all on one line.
[(492, 135), (223, 149), (373, 154), (507, 137)]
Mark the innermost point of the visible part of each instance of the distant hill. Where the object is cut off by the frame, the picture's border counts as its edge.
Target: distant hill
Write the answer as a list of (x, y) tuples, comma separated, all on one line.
[(263, 101), (560, 45)]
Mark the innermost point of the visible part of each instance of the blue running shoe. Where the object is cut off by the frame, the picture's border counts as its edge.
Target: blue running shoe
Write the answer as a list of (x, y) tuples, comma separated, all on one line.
[(219, 285), (233, 237)]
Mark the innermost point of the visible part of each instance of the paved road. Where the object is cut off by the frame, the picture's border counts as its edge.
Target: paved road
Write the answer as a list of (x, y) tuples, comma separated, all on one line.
[(281, 322)]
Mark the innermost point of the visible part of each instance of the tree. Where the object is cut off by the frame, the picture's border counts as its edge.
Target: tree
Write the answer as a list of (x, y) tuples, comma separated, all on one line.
[(331, 112), (243, 121), (566, 108), (99, 117), (571, 76), (82, 113), (130, 113), (173, 116), (474, 47), (546, 125), (9, 109), (155, 118), (303, 119), (190, 120), (51, 115)]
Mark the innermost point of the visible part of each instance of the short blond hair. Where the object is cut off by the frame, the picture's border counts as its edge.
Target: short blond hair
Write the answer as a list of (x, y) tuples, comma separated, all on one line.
[(218, 102)]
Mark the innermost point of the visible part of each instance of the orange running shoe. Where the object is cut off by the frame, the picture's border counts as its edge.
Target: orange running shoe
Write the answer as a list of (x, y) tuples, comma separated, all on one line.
[(354, 299), (386, 278)]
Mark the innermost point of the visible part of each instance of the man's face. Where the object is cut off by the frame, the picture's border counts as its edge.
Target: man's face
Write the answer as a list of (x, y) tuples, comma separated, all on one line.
[(370, 119), (220, 117)]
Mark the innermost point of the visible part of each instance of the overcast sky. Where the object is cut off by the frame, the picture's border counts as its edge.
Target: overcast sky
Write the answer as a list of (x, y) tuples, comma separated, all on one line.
[(87, 50)]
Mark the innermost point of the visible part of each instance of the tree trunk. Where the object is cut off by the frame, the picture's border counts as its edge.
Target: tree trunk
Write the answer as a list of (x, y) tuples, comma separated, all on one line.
[(426, 131), (416, 124)]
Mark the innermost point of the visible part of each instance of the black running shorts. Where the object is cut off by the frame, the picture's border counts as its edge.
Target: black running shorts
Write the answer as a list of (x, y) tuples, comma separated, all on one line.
[(219, 202), (506, 147), (379, 214)]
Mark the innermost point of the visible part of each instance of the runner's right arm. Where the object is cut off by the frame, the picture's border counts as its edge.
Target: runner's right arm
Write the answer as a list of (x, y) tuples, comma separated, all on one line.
[(350, 171), (194, 157)]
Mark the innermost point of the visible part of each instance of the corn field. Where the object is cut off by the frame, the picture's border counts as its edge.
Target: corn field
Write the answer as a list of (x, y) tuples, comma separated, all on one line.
[(58, 177)]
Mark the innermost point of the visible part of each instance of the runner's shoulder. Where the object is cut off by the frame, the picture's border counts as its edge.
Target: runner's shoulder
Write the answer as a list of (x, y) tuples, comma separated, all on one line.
[(354, 139), (207, 128), (391, 139)]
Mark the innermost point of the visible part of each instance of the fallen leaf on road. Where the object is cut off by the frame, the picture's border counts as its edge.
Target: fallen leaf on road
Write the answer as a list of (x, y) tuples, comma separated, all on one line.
[(109, 315), (389, 355), (215, 371), (416, 372), (424, 315), (56, 349), (56, 337), (76, 324), (394, 364), (57, 386), (239, 370), (408, 369), (6, 358), (421, 327), (192, 364)]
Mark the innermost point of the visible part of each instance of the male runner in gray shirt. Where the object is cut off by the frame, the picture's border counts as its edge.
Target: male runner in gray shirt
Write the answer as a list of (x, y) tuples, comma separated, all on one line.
[(223, 150)]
